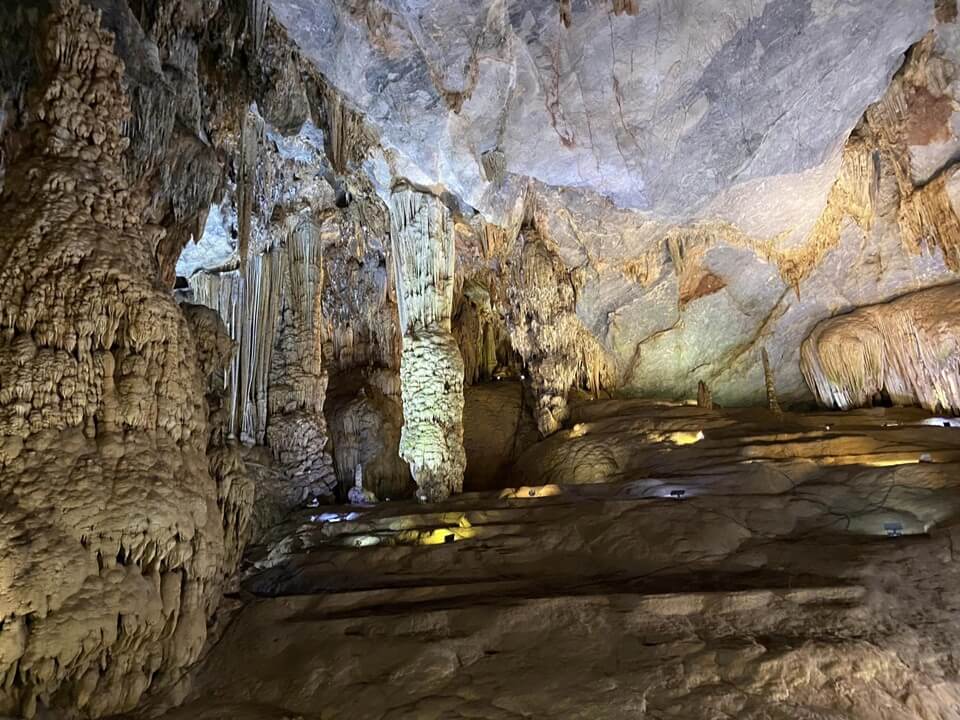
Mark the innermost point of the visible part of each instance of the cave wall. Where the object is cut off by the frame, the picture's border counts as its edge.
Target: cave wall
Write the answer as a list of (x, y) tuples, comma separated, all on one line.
[(702, 218)]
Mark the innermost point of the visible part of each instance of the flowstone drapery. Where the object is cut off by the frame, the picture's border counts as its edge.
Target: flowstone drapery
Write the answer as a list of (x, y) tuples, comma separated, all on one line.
[(431, 369), (907, 348)]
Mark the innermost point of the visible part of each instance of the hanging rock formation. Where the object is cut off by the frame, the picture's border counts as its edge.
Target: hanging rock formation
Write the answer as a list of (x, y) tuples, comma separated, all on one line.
[(431, 369), (907, 349), (123, 512)]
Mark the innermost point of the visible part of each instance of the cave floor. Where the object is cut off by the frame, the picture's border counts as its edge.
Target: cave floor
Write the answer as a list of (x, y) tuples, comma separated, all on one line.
[(806, 571)]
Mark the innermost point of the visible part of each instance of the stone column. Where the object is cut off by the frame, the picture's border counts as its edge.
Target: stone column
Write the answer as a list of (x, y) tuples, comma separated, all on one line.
[(431, 369)]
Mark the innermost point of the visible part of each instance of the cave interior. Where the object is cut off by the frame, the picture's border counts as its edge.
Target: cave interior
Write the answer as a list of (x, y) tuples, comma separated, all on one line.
[(488, 359)]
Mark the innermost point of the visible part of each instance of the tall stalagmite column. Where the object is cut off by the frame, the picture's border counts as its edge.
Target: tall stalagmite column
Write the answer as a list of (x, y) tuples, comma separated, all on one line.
[(123, 509), (431, 369)]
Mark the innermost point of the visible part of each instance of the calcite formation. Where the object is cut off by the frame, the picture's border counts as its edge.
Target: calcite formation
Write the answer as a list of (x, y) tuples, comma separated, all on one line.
[(123, 512), (268, 288), (906, 350), (365, 430), (297, 429), (262, 256), (431, 369), (546, 332)]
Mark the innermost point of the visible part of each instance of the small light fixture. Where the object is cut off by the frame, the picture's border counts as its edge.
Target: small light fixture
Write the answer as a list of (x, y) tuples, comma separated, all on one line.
[(893, 529)]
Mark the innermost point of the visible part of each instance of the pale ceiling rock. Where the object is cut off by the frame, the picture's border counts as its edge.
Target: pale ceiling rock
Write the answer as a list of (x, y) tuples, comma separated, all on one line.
[(714, 129), (669, 110)]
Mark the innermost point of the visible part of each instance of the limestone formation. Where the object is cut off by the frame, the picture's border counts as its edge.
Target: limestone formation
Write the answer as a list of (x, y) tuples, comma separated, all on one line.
[(431, 369), (906, 350), (710, 129), (365, 429), (546, 332), (123, 511)]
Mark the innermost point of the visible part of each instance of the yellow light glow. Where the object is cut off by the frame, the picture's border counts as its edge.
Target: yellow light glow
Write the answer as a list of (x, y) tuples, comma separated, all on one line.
[(685, 437), (534, 491), (893, 462), (578, 430), (463, 530)]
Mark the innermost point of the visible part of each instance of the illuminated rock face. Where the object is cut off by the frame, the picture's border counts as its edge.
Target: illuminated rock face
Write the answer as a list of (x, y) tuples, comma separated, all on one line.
[(123, 508), (698, 165), (431, 369), (908, 348)]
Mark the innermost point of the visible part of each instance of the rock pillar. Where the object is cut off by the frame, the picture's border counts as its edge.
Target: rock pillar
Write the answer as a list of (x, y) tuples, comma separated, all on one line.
[(431, 369)]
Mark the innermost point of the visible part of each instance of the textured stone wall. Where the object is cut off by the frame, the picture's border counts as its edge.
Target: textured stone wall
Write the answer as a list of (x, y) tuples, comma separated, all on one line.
[(544, 329), (122, 512)]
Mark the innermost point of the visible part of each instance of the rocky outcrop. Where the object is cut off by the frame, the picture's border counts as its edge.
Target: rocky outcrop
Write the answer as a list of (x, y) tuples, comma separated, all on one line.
[(907, 351), (366, 419), (431, 369), (123, 512)]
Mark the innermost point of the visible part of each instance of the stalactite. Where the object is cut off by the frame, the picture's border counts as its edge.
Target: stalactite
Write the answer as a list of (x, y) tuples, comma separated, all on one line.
[(346, 131), (906, 348), (431, 369), (360, 321), (223, 292), (625, 7), (851, 196), (251, 137), (926, 216), (481, 334), (249, 303), (257, 13)]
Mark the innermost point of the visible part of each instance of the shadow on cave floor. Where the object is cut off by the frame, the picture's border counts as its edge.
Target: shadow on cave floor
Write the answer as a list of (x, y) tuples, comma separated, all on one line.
[(686, 557)]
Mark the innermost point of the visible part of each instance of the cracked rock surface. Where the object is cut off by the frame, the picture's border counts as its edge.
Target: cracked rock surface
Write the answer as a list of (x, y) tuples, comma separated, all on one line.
[(721, 176)]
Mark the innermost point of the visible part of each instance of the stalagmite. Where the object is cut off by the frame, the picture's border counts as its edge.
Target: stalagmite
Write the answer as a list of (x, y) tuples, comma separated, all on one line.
[(768, 383), (704, 397), (545, 330), (431, 369), (906, 348)]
